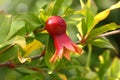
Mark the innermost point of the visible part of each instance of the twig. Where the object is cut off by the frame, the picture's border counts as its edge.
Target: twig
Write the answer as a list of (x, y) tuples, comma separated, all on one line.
[(109, 33), (10, 64), (38, 56), (5, 49)]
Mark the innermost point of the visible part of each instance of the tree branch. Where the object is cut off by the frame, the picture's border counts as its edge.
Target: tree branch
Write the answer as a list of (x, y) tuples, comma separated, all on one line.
[(10, 64), (38, 56), (5, 49), (109, 33)]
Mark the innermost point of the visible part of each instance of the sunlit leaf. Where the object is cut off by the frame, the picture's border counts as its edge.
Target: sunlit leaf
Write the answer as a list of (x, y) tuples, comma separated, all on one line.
[(62, 76), (102, 15), (20, 41), (82, 4), (117, 5), (32, 47)]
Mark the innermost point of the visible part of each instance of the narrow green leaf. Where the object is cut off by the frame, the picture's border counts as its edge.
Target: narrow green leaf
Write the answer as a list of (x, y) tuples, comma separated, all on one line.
[(72, 17), (86, 22), (103, 43), (89, 18), (97, 31), (66, 4), (102, 15), (57, 5)]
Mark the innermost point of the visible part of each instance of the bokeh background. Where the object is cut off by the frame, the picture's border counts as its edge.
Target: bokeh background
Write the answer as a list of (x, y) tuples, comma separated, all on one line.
[(14, 7)]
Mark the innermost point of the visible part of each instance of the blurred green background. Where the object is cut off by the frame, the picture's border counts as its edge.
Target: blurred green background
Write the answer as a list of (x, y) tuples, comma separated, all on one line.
[(14, 7)]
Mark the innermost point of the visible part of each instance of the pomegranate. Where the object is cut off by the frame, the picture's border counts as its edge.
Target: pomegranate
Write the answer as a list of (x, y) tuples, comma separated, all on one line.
[(56, 27)]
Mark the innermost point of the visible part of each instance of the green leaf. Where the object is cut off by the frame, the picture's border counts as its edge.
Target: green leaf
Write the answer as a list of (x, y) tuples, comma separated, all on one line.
[(72, 17), (25, 70), (49, 53), (114, 70), (15, 26), (105, 62), (5, 21), (41, 3), (65, 6), (92, 6), (97, 31), (16, 40), (102, 15), (33, 77), (32, 21), (57, 5), (9, 54), (42, 37), (72, 32), (103, 43), (87, 22)]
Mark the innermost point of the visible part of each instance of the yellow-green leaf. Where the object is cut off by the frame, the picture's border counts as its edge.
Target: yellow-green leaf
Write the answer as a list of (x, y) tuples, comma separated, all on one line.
[(32, 46), (102, 15), (62, 76), (82, 4)]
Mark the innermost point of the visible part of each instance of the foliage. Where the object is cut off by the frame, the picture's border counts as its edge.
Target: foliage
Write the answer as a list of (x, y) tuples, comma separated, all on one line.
[(26, 47)]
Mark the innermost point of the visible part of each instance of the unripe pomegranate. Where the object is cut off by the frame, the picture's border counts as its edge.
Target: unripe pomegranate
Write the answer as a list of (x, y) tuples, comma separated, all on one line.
[(56, 27)]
